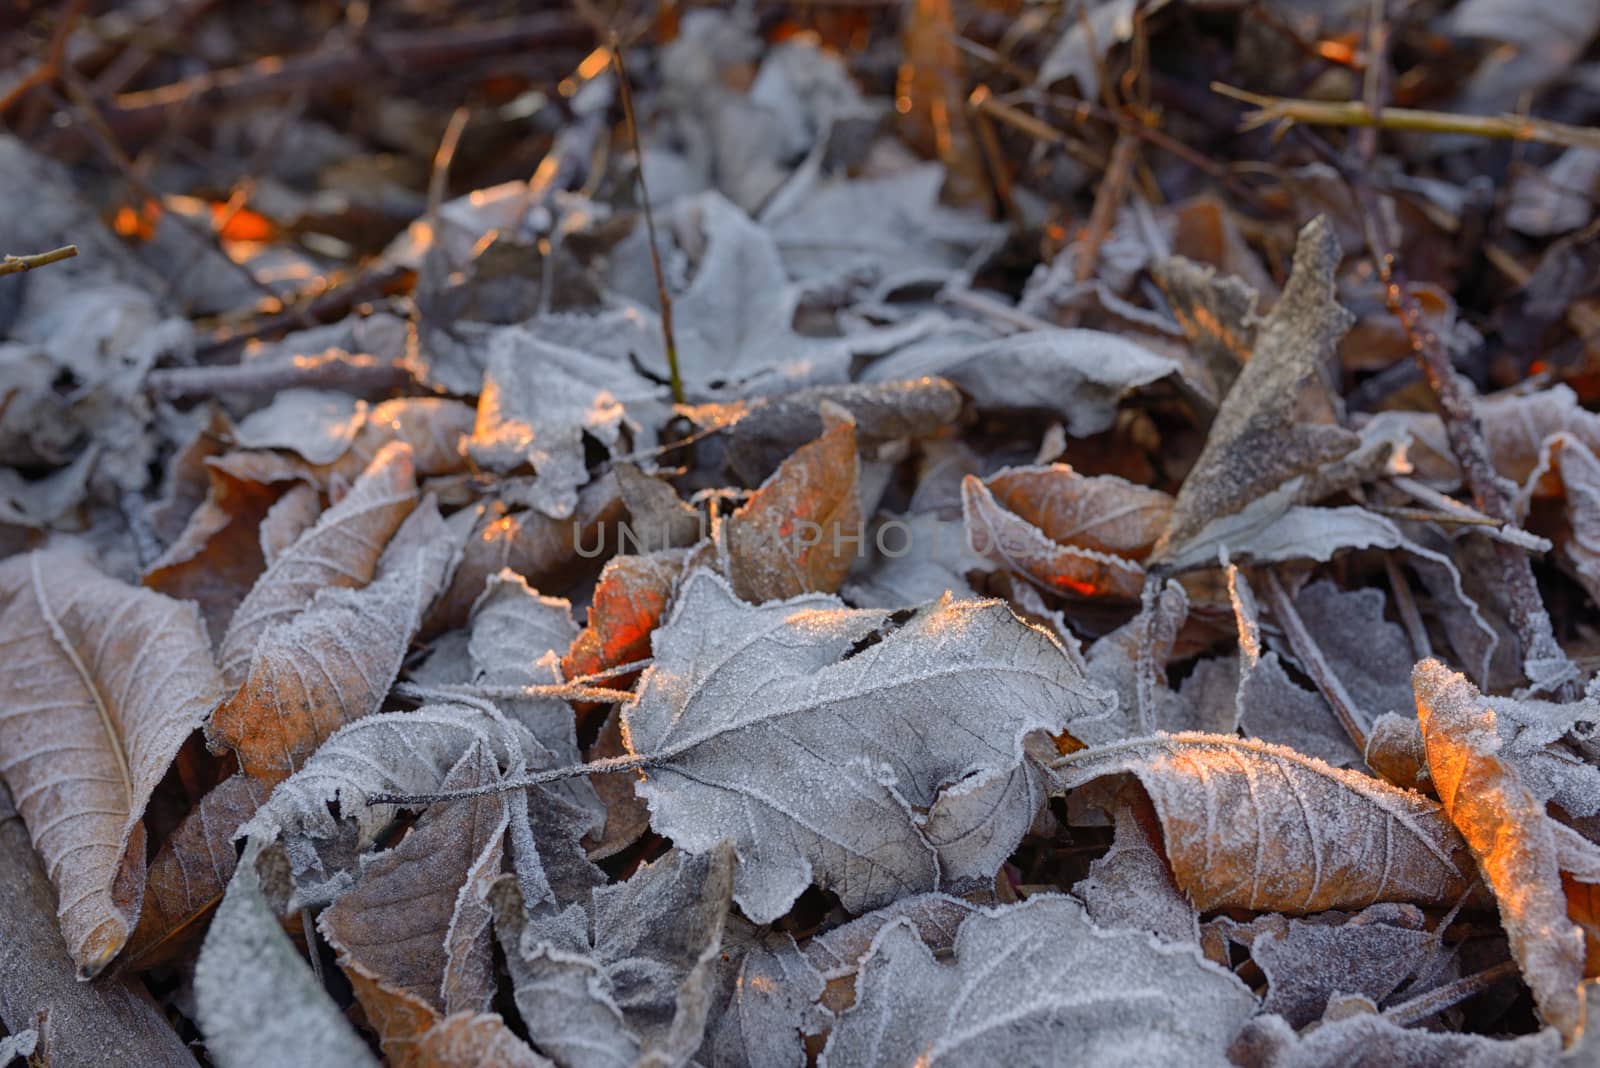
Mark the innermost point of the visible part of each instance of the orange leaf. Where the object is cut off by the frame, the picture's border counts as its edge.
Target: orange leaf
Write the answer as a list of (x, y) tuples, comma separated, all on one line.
[(1062, 569), (629, 602)]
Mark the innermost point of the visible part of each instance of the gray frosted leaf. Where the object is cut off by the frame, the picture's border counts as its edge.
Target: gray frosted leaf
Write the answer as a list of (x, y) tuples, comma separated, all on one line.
[(1371, 656), (1085, 42), (1275, 708), (318, 424), (1218, 314), (1275, 423), (913, 559), (770, 997), (259, 1005), (390, 752), (807, 731), (877, 225), (1131, 663), (1306, 961), (17, 1045), (1038, 984), (1131, 886), (936, 918), (1370, 1041), (976, 823), (1080, 375), (631, 983), (539, 399)]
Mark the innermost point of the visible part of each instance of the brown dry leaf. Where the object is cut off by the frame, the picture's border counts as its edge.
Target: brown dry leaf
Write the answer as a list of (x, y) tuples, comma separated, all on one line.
[(190, 874), (800, 532), (1275, 423), (1250, 825), (1579, 471), (629, 601), (335, 661), (1104, 513), (658, 517), (102, 684), (933, 106), (342, 549), (472, 1040), (188, 478), (1218, 315), (1511, 836), (218, 557), (1068, 570), (413, 933), (544, 551)]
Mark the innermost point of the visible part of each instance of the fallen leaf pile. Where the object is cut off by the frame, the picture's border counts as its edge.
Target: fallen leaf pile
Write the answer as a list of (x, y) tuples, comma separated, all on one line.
[(955, 532)]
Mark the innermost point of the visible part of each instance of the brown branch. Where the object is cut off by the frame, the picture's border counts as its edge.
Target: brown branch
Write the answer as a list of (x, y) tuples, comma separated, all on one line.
[(1309, 653), (333, 369), (412, 51), (49, 69), (19, 264), (1440, 998), (109, 1020)]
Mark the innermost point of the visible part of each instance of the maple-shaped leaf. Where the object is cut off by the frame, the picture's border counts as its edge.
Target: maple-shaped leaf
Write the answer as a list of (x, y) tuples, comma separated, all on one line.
[(191, 872), (1068, 570), (800, 532), (1037, 983), (335, 661), (413, 933), (1306, 961), (258, 1003), (626, 981), (806, 731), (342, 549), (1251, 825), (1267, 429), (1517, 845), (103, 683)]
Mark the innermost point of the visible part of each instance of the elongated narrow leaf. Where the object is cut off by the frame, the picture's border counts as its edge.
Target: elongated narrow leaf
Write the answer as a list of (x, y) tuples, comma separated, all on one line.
[(102, 684), (806, 731), (342, 549), (1257, 826), (1512, 838), (1063, 569)]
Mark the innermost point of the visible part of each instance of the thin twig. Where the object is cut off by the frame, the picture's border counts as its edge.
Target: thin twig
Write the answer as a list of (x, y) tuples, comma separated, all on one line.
[(566, 691), (1440, 998), (1406, 605), (993, 156), (1309, 653), (439, 179), (625, 89), (49, 69), (334, 369), (18, 264), (1356, 113)]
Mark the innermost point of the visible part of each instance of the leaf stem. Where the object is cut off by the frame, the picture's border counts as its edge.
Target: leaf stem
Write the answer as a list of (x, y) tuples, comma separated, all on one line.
[(1356, 113), (667, 337), (1310, 655), (608, 766), (1440, 998)]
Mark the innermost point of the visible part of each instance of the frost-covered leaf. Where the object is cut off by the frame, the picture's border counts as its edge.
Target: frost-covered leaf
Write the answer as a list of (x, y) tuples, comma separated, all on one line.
[(800, 532), (342, 549), (1131, 886), (103, 683), (1306, 961), (1266, 430), (17, 1045), (806, 731), (1369, 1040), (539, 401), (977, 822), (628, 981), (413, 933), (317, 424), (1088, 33), (1079, 375), (1131, 662), (335, 661), (258, 1002), (191, 872), (911, 560), (629, 601), (1515, 842), (1251, 825), (879, 227), (1038, 983), (1103, 513), (1061, 569), (1218, 315)]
